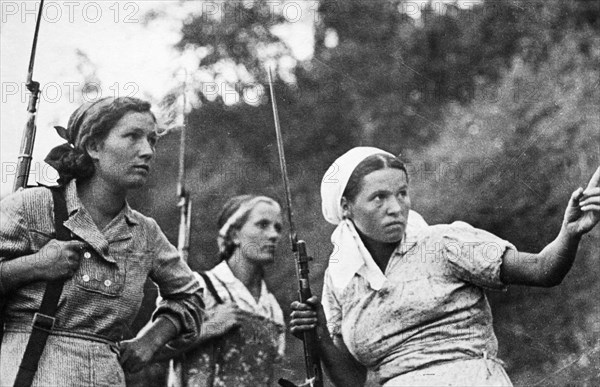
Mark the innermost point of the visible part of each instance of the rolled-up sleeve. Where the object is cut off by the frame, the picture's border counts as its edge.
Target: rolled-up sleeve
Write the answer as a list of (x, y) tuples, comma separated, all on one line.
[(475, 255), (180, 293), (331, 307), (14, 236)]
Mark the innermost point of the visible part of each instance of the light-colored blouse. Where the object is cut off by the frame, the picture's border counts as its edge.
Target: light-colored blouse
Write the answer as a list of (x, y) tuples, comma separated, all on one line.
[(246, 355), (432, 307)]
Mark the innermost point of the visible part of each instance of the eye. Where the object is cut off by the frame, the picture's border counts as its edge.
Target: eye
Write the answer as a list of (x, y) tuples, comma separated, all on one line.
[(263, 224), (378, 198), (153, 139), (403, 193), (278, 227)]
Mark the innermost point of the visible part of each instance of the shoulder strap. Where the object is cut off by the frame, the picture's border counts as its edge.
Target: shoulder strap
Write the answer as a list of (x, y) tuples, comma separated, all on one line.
[(211, 287), (43, 320)]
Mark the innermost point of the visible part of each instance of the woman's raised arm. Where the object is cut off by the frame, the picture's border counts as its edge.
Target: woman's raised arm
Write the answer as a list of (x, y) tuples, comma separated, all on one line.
[(548, 267)]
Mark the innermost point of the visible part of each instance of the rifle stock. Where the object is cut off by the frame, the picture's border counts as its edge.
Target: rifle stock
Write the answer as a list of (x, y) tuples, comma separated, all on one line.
[(28, 139)]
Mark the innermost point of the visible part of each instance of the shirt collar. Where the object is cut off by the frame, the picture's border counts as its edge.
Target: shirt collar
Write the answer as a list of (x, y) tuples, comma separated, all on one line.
[(224, 274), (74, 204)]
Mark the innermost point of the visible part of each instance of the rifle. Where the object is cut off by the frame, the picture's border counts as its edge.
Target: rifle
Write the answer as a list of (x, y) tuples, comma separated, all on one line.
[(26, 150), (314, 373), (175, 376), (28, 139)]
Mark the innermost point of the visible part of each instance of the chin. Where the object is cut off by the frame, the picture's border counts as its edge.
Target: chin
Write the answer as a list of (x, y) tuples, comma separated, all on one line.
[(136, 183), (395, 238)]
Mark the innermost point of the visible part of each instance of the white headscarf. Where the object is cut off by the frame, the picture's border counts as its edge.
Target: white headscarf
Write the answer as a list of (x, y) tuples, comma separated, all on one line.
[(244, 208), (350, 256)]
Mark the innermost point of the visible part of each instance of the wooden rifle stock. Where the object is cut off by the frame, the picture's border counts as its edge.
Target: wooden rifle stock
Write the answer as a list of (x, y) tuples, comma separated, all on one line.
[(28, 139)]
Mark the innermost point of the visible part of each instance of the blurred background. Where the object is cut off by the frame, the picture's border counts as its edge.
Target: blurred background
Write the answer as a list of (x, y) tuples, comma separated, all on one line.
[(493, 105)]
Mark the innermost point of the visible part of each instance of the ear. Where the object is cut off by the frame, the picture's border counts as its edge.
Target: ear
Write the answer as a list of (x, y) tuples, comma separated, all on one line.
[(92, 147), (235, 237), (346, 208)]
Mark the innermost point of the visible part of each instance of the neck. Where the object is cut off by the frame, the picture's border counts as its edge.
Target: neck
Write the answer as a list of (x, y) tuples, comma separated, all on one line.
[(250, 274), (380, 251), (101, 200)]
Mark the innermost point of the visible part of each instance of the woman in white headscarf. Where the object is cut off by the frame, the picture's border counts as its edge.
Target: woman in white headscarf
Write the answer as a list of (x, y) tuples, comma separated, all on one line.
[(243, 335), (405, 299)]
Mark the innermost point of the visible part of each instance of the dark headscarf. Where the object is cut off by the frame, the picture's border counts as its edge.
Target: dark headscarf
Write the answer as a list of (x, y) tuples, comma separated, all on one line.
[(78, 130)]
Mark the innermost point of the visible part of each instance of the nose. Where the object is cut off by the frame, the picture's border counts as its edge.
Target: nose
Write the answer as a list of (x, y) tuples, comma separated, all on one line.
[(274, 234), (394, 206), (146, 150)]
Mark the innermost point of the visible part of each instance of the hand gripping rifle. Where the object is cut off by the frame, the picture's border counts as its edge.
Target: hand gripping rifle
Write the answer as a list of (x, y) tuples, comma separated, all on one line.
[(24, 163), (314, 373), (175, 376)]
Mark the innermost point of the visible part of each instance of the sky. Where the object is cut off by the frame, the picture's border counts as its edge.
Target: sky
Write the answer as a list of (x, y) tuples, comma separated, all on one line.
[(103, 41), (110, 46)]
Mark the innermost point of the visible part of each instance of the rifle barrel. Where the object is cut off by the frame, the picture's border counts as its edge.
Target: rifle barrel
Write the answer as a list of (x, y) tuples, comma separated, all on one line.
[(283, 165)]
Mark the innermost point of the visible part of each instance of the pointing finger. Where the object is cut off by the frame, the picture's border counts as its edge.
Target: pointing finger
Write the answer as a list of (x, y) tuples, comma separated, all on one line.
[(594, 180)]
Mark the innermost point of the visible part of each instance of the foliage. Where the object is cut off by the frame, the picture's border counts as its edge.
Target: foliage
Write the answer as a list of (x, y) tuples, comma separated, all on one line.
[(494, 107)]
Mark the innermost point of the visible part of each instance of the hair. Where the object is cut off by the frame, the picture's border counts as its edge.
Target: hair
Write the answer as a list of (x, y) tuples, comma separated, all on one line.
[(370, 164), (95, 126), (230, 207)]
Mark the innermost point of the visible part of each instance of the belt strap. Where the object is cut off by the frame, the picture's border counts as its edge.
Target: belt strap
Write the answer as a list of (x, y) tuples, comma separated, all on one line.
[(43, 320)]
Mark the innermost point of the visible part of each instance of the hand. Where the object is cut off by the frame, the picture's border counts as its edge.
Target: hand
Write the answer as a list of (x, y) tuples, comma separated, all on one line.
[(222, 318), (136, 353), (307, 316), (58, 260), (583, 210)]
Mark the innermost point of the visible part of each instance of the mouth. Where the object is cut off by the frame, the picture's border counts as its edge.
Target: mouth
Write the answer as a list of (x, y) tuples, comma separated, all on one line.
[(269, 248), (142, 167), (395, 224)]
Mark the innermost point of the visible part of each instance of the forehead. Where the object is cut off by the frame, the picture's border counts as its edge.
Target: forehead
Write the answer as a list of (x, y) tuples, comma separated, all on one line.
[(388, 179), (264, 210), (136, 120)]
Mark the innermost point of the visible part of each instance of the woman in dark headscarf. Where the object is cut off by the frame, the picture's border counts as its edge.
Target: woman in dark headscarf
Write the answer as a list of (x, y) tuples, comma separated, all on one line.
[(112, 251)]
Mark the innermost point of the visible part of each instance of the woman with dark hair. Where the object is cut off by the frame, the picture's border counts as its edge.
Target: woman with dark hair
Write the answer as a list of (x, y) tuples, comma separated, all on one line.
[(243, 335), (112, 251), (406, 299)]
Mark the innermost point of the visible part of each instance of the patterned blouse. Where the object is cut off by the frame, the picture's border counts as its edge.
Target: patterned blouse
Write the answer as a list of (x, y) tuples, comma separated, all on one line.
[(432, 307), (103, 297), (244, 357)]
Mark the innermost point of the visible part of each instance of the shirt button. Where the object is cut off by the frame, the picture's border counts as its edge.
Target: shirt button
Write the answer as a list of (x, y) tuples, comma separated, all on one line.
[(87, 254), (86, 278), (107, 283)]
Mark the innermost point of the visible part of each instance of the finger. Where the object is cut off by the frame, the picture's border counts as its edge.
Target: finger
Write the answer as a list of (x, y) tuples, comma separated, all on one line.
[(297, 305), (576, 196), (595, 179), (304, 314), (303, 321), (591, 207), (591, 192), (302, 328), (592, 200), (313, 301)]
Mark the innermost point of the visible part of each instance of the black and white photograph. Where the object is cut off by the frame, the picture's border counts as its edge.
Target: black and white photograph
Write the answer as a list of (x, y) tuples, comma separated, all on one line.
[(300, 193)]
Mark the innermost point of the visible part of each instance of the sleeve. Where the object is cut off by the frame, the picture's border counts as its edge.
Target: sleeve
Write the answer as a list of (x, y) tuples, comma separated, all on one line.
[(475, 255), (14, 235), (331, 307), (278, 318), (180, 293)]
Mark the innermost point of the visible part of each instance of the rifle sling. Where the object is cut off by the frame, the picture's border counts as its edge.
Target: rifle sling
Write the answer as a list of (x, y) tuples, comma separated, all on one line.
[(211, 287), (43, 320)]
